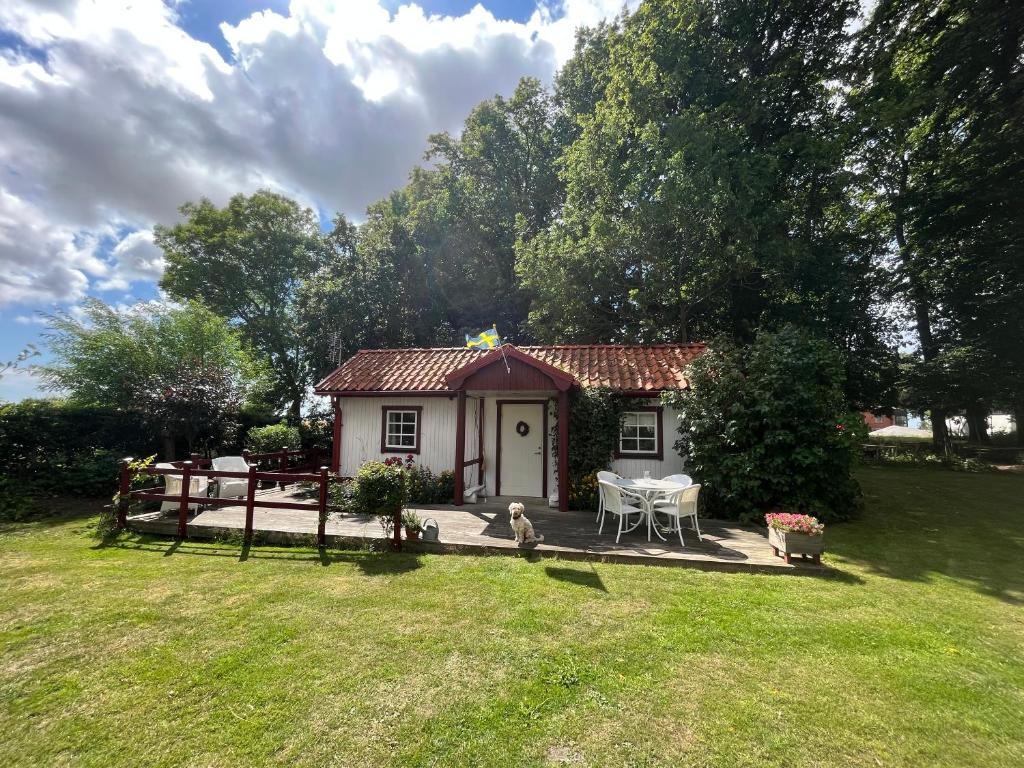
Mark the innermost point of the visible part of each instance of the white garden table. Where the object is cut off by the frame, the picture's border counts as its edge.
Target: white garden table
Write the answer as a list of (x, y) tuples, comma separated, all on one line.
[(649, 489)]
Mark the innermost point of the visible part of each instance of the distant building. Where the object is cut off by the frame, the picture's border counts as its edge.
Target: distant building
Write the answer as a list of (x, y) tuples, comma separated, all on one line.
[(877, 421)]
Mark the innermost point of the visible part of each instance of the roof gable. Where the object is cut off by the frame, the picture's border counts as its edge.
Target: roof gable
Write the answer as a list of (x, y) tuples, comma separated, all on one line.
[(559, 378)]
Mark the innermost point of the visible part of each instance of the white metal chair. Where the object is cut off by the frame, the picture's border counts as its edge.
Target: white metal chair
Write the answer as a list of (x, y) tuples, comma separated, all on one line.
[(683, 504), (172, 487), (607, 477), (615, 502), (680, 479), (231, 487)]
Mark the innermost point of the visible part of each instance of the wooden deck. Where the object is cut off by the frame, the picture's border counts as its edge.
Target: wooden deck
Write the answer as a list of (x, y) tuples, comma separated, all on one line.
[(484, 529)]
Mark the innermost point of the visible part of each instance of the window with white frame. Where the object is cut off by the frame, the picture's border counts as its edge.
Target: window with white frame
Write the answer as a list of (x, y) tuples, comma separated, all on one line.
[(401, 430), (638, 435)]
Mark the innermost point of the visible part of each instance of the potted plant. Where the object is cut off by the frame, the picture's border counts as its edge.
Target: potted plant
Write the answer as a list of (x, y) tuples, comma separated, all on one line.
[(413, 524), (793, 534)]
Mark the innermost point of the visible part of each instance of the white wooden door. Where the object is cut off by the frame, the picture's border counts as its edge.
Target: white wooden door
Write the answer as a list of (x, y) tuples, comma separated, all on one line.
[(522, 462)]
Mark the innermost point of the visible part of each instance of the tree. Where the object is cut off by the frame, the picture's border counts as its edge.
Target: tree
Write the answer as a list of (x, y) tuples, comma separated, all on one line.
[(183, 368), (436, 259), (706, 192), (938, 101), (247, 262)]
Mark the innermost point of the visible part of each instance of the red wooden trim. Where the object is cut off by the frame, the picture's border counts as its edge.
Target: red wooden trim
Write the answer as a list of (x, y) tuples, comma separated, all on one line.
[(560, 378), (321, 526), (480, 405), (384, 427), (186, 482), (543, 445), (250, 502), (124, 490), (659, 454), (460, 448), (387, 393), (563, 451), (336, 446)]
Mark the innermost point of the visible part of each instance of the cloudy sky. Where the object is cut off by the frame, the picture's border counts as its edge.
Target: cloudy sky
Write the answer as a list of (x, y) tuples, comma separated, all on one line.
[(114, 113)]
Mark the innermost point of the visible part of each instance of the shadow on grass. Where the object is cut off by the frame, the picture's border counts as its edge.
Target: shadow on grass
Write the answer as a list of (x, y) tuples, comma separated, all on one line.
[(370, 563), (576, 576), (922, 523)]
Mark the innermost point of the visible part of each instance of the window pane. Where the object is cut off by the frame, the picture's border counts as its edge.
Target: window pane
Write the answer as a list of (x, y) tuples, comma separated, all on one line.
[(401, 429), (639, 432)]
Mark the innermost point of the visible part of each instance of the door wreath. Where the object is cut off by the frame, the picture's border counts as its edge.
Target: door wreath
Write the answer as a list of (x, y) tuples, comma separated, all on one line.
[(522, 429)]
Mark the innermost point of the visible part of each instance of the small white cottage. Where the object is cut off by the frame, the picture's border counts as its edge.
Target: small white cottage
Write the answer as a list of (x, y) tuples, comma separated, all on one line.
[(489, 413)]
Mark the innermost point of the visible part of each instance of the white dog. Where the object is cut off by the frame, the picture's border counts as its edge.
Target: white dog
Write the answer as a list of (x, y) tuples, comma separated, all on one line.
[(521, 525)]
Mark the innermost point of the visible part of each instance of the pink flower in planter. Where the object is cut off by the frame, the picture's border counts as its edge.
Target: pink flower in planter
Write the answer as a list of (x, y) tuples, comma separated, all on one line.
[(788, 522)]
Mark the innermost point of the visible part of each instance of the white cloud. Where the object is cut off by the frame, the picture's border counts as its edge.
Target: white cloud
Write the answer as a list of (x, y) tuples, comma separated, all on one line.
[(119, 116)]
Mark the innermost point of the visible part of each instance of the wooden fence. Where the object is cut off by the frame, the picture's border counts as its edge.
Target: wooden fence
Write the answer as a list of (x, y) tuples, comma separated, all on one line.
[(195, 467)]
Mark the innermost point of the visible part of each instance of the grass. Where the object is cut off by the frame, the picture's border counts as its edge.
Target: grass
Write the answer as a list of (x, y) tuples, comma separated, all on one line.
[(145, 652)]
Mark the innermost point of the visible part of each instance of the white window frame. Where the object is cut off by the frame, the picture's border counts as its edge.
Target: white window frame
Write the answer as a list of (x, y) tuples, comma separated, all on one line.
[(390, 447), (639, 452)]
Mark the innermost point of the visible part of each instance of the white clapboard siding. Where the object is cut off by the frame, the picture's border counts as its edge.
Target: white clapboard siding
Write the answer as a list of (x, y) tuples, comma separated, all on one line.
[(671, 464), (361, 426), (361, 433)]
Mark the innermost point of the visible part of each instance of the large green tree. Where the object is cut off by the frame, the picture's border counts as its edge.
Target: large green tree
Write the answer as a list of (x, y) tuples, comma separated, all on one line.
[(182, 367), (706, 193), (938, 104), (247, 261), (436, 259)]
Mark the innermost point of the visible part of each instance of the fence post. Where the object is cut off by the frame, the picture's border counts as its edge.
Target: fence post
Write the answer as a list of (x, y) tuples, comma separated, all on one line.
[(321, 528), (250, 498), (396, 539), (186, 487), (124, 490), (284, 465)]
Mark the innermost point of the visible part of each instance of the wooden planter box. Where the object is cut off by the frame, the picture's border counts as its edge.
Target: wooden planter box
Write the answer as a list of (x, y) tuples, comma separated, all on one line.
[(786, 545)]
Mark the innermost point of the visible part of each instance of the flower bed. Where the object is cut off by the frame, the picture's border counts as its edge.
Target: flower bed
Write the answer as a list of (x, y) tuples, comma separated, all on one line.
[(792, 534), (788, 522)]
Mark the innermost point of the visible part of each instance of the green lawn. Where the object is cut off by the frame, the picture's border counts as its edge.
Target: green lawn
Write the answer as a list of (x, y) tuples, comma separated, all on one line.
[(147, 653)]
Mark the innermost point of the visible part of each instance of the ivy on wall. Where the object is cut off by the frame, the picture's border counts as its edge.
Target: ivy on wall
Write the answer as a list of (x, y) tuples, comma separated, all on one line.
[(594, 418)]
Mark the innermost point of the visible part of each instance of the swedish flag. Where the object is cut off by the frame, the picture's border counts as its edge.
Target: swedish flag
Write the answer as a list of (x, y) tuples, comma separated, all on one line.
[(488, 339)]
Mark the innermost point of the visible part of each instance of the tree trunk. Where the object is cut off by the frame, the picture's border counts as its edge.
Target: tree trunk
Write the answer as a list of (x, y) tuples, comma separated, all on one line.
[(1018, 423), (295, 410), (168, 445), (977, 425)]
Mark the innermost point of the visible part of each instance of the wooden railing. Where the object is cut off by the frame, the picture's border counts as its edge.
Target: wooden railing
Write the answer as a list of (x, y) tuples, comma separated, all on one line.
[(186, 470)]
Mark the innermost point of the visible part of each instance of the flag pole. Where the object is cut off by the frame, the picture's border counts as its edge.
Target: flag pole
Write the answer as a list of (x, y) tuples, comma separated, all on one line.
[(501, 346)]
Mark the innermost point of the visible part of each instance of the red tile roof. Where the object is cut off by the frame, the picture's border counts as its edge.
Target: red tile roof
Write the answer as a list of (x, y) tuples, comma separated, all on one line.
[(626, 368)]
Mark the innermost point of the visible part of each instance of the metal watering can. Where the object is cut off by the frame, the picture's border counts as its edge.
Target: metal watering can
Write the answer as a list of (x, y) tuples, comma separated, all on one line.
[(430, 530)]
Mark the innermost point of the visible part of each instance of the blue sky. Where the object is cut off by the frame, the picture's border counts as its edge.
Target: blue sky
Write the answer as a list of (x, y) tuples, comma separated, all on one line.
[(112, 116)]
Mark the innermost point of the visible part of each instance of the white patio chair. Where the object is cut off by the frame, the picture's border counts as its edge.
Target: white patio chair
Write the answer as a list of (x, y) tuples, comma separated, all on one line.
[(231, 487), (615, 499), (683, 504), (607, 477), (172, 487), (680, 479)]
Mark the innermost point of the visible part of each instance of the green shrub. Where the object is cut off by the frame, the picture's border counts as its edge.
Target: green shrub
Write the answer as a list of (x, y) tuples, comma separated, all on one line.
[(15, 503), (53, 447), (424, 487), (381, 490), (766, 427), (273, 437), (317, 429)]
